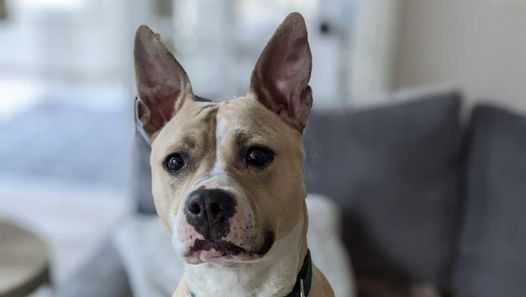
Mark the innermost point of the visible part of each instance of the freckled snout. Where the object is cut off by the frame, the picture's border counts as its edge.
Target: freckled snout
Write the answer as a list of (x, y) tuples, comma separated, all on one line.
[(209, 212)]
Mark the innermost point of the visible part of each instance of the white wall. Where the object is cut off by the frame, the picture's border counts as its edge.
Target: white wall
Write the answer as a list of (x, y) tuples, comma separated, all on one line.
[(374, 42), (480, 45)]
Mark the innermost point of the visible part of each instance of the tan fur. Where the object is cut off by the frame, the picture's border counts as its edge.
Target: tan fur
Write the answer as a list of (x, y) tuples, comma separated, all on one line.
[(283, 181), (277, 195), (320, 285)]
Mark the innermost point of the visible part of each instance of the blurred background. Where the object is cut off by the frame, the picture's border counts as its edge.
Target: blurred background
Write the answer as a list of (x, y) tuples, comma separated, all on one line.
[(68, 153)]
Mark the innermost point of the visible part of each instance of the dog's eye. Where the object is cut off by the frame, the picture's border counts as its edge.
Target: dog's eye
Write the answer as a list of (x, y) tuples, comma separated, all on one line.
[(259, 157), (174, 162)]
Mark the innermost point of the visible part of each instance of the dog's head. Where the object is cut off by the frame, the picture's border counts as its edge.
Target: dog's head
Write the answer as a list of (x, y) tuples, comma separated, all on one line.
[(227, 177)]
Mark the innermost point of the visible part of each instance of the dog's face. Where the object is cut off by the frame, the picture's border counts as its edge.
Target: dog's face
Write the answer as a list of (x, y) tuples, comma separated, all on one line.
[(235, 183), (227, 177)]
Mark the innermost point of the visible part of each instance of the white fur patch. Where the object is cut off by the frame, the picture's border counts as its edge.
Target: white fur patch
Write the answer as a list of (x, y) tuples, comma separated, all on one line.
[(243, 223), (273, 275), (221, 131)]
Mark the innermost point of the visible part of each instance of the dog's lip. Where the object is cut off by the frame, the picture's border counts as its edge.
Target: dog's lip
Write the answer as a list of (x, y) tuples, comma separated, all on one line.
[(218, 245), (222, 251)]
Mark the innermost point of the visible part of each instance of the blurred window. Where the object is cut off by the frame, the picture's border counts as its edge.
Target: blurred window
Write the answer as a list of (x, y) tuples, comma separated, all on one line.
[(219, 53), (62, 39), (54, 49)]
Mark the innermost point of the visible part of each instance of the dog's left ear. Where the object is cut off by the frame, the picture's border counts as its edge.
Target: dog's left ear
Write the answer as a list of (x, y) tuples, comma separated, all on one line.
[(280, 79)]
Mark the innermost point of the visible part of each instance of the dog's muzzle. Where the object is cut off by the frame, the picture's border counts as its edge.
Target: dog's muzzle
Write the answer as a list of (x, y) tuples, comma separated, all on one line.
[(215, 225)]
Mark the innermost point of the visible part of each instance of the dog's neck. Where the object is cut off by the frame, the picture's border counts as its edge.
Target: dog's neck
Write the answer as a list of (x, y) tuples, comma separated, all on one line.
[(273, 276)]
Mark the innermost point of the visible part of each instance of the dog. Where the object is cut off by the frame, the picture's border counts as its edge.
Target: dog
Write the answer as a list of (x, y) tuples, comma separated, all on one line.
[(227, 176)]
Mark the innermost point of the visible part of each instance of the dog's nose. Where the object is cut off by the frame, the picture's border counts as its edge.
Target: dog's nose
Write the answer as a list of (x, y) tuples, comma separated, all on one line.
[(208, 211)]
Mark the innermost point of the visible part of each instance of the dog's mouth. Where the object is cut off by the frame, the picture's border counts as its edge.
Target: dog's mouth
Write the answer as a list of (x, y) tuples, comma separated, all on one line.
[(221, 251)]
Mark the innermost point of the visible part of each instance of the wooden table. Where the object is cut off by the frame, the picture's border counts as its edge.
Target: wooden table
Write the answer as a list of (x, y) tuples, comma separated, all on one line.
[(24, 260)]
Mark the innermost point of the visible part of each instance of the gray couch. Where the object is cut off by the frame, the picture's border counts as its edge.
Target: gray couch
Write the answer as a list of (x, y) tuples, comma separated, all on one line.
[(427, 195)]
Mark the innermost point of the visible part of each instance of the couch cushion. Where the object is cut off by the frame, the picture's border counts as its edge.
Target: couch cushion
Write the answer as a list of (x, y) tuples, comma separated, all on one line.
[(394, 170), (492, 259), (103, 275), (371, 287)]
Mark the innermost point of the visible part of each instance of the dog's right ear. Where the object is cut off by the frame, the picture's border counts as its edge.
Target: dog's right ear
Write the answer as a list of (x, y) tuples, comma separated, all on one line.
[(162, 83)]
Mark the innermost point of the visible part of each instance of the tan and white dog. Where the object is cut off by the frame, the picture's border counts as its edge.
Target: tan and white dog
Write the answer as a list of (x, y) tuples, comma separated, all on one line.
[(228, 176)]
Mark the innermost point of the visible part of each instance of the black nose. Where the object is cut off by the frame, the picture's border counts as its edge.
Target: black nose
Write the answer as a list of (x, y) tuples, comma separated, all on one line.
[(209, 211)]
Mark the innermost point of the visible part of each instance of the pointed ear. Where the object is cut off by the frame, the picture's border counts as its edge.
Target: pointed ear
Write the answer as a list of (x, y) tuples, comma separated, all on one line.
[(280, 79), (162, 83)]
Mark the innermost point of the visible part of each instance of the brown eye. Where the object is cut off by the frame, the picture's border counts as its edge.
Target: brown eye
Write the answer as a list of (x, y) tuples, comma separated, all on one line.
[(174, 163), (259, 157)]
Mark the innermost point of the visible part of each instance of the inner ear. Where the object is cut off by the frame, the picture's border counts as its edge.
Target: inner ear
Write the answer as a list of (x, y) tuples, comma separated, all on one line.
[(280, 79), (162, 83)]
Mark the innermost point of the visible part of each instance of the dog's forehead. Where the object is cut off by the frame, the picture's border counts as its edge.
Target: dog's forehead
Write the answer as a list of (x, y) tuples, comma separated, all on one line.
[(229, 117), (236, 114), (246, 113)]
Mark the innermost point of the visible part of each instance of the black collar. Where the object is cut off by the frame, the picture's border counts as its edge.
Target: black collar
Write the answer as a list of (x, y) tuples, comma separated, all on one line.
[(303, 280)]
